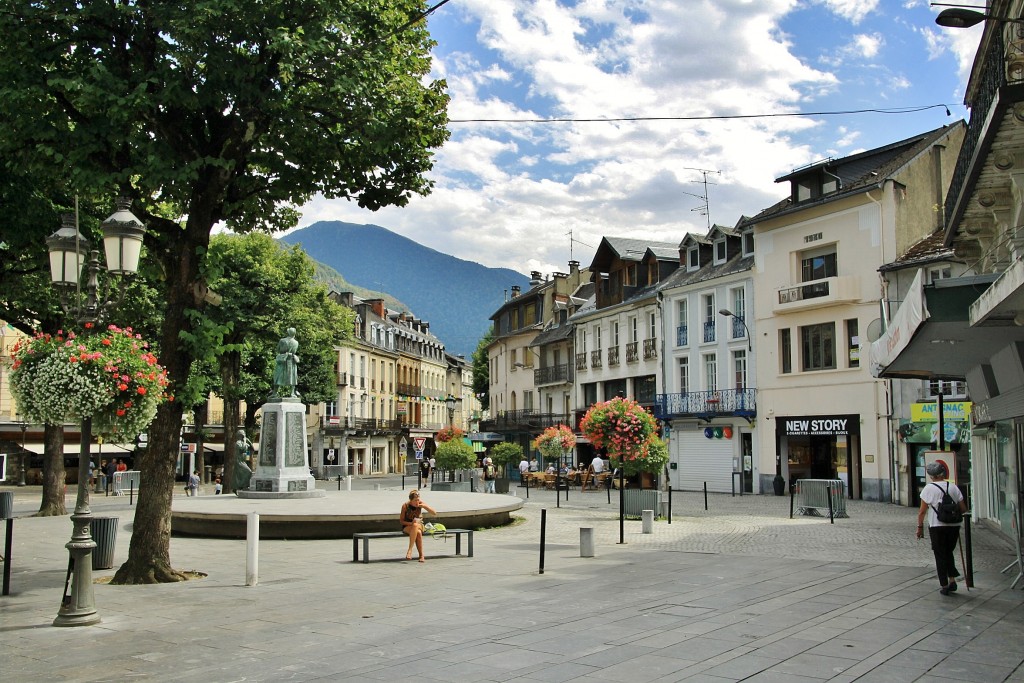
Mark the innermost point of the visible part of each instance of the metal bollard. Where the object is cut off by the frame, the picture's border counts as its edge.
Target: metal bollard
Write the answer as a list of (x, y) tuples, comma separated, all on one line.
[(252, 549), (339, 482), (348, 483), (647, 525), (586, 541)]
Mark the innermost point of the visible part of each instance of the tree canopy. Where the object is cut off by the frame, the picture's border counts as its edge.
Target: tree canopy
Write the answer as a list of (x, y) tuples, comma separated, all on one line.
[(214, 111)]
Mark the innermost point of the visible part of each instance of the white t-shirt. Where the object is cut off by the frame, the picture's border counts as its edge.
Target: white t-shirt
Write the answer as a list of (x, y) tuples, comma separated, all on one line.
[(523, 466), (932, 495), (597, 464)]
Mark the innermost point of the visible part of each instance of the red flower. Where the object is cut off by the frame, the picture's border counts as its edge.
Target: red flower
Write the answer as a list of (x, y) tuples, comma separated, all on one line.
[(106, 342), (141, 391)]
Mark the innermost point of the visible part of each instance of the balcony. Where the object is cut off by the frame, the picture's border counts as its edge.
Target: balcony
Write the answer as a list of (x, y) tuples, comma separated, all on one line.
[(595, 359), (738, 330), (650, 349), (632, 352), (817, 294), (709, 331), (613, 356), (681, 338), (528, 420), (581, 361), (706, 405), (343, 379), (553, 374), (409, 389)]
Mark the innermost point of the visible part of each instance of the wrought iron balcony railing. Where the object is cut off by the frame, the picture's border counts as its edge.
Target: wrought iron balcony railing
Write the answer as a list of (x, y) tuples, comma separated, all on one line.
[(632, 352), (709, 331), (707, 404), (681, 339), (613, 356), (650, 348)]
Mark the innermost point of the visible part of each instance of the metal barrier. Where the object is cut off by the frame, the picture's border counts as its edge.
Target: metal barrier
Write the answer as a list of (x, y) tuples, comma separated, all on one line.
[(812, 497), (124, 481), (635, 501)]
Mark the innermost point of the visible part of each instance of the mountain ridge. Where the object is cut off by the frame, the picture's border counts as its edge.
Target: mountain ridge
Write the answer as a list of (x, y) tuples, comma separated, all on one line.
[(425, 279)]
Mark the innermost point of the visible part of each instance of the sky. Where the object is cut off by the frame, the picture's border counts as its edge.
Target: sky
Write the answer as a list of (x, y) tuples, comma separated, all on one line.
[(533, 196)]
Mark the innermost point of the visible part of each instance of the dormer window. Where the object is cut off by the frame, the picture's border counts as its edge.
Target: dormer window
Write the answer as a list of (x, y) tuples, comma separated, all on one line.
[(693, 258), (815, 184), (720, 251)]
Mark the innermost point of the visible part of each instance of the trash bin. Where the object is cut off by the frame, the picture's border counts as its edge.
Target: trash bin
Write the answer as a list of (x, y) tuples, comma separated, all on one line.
[(104, 532), (6, 504)]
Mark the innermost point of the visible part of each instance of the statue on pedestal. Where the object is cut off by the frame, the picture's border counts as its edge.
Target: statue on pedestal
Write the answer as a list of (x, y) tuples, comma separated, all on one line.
[(286, 369)]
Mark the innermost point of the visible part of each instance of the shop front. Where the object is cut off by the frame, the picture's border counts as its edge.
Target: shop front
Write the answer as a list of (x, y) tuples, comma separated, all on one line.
[(820, 447), (921, 433)]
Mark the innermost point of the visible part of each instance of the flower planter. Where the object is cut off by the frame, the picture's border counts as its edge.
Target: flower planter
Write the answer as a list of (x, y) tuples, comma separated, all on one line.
[(450, 486)]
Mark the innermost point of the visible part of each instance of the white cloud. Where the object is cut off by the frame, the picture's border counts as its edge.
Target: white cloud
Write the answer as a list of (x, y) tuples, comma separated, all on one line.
[(507, 194)]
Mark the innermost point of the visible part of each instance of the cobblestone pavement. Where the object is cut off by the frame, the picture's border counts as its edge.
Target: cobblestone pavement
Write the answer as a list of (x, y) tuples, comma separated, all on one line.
[(736, 593)]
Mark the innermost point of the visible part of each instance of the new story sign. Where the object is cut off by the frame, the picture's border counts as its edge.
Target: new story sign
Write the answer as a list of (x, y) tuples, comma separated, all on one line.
[(818, 425)]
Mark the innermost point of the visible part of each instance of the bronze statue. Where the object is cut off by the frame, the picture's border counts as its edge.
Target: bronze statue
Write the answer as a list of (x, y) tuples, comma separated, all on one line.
[(286, 370), (242, 473)]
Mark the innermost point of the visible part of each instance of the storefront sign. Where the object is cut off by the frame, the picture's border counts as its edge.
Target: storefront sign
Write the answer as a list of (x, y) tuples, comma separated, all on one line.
[(819, 425), (956, 411)]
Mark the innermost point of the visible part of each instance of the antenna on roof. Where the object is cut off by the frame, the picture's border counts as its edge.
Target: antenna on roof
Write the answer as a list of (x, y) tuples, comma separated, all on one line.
[(705, 208), (571, 240)]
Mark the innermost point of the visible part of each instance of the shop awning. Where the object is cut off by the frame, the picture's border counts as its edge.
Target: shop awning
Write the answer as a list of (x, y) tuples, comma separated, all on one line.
[(931, 337), (72, 448), (485, 437)]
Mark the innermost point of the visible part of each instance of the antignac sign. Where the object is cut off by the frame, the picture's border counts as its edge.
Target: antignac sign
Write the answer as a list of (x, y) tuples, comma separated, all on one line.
[(819, 425)]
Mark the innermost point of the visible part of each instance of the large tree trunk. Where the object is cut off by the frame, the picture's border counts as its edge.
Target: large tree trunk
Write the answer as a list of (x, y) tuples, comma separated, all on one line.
[(149, 554), (199, 412), (52, 504)]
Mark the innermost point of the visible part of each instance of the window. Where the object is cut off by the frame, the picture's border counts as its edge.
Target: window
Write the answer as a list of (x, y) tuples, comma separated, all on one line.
[(947, 388), (720, 251), (513, 358), (803, 190), (940, 273), (748, 243), (589, 394), (739, 368), (681, 316), (786, 351), (531, 315), (652, 326), (709, 317), (818, 264), (711, 372), (633, 329), (615, 334), (629, 275), (581, 341), (852, 343), (693, 258), (818, 343), (597, 337), (739, 312), (684, 375)]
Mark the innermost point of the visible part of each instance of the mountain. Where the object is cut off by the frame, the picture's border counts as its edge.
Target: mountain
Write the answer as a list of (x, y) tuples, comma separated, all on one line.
[(336, 282), (456, 297)]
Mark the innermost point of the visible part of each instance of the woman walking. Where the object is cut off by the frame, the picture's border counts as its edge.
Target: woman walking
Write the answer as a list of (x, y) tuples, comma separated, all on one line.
[(943, 535)]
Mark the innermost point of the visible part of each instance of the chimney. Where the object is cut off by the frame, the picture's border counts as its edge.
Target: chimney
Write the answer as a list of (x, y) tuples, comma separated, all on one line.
[(574, 267), (515, 291), (535, 278), (377, 306)]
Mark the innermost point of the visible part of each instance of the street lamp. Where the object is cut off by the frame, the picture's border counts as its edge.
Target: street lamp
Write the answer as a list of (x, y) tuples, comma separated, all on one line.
[(726, 312), (961, 17), (122, 241)]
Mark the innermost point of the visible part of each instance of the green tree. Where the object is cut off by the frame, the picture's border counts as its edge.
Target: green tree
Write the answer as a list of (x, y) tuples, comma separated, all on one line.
[(482, 370), (454, 455), (223, 111)]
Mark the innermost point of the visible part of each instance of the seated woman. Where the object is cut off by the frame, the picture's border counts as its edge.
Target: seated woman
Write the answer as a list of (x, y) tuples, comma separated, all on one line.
[(550, 469), (412, 522)]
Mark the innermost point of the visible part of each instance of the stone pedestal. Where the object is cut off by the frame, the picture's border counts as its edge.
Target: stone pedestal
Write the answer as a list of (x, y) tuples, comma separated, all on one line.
[(282, 469)]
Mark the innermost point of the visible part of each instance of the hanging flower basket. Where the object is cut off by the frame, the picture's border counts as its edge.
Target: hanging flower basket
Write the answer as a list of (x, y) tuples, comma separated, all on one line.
[(446, 434), (109, 376), (628, 433), (555, 441)]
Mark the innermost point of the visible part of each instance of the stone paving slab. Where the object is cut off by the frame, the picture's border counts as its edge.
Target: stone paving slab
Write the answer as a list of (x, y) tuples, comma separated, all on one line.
[(738, 592)]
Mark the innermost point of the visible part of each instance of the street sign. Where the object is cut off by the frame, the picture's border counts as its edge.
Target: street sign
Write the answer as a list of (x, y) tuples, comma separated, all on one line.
[(403, 446), (419, 455), (188, 448), (419, 443)]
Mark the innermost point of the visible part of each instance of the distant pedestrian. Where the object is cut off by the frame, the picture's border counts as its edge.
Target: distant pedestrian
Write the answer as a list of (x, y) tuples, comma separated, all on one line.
[(524, 467), (217, 487), (111, 469), (533, 465), (943, 535), (121, 466), (490, 474), (192, 488)]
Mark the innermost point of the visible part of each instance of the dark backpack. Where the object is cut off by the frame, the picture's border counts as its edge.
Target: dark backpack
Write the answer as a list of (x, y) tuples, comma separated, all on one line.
[(489, 472), (948, 510)]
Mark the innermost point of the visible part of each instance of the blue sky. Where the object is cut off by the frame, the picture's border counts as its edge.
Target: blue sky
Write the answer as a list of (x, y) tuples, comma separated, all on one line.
[(508, 194)]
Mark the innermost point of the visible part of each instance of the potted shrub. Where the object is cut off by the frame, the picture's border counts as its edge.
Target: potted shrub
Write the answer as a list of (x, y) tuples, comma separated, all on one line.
[(453, 455), (503, 455)]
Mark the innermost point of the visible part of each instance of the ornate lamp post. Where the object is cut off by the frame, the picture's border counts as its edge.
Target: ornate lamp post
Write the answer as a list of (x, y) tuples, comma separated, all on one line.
[(122, 240)]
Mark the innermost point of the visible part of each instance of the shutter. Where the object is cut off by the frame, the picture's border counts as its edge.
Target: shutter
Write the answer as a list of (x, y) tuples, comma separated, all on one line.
[(700, 459)]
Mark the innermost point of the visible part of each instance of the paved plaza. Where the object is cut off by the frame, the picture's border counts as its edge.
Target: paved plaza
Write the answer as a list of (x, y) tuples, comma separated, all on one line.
[(738, 592)]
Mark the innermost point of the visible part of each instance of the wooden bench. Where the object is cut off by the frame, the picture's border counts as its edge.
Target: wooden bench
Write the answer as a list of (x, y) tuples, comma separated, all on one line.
[(366, 536)]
